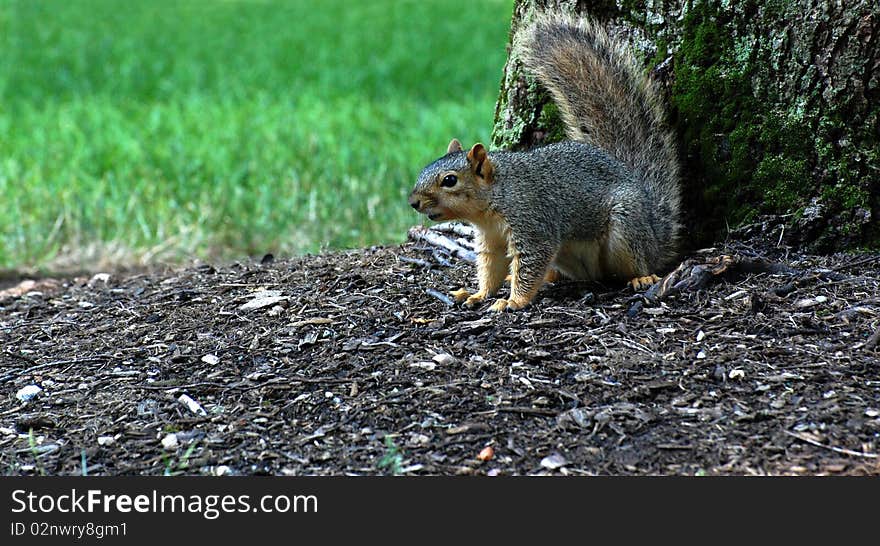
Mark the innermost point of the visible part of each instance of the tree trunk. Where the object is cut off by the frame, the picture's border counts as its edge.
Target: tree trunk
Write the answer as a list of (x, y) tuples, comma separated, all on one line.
[(776, 104)]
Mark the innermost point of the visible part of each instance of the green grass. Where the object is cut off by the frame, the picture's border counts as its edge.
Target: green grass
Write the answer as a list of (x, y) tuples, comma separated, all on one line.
[(219, 129)]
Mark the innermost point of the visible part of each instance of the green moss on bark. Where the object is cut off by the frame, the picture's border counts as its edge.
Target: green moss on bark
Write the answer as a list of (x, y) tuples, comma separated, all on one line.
[(752, 147)]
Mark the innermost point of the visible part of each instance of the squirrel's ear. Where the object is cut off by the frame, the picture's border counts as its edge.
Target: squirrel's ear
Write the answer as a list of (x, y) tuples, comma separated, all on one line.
[(454, 146), (478, 159)]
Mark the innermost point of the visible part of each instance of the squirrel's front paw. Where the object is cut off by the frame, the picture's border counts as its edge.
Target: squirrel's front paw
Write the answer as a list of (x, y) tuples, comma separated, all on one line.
[(511, 304), (502, 305), (460, 295), (470, 300), (475, 299)]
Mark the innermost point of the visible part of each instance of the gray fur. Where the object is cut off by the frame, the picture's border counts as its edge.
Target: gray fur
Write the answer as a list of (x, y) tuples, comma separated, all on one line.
[(564, 54), (572, 191), (455, 161)]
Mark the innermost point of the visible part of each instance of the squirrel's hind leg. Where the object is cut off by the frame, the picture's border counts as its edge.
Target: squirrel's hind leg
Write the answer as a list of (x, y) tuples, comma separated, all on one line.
[(628, 253)]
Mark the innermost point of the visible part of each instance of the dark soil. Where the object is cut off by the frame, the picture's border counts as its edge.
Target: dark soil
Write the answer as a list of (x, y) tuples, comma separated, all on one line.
[(359, 367)]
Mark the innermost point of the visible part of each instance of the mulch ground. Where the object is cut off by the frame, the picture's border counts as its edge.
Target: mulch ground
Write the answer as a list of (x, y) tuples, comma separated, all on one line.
[(353, 363)]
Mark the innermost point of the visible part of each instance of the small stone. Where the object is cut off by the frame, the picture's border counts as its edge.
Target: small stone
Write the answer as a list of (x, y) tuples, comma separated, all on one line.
[(192, 405), (701, 355), (28, 393), (554, 461), (701, 335), (486, 453), (736, 374), (211, 359), (106, 440), (444, 359), (266, 298), (871, 412), (170, 441), (737, 294)]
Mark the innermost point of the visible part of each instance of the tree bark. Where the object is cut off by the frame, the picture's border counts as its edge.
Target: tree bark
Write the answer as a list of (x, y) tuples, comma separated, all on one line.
[(776, 104)]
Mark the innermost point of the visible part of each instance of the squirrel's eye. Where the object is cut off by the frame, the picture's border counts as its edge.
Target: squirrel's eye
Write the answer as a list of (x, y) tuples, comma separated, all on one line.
[(449, 180)]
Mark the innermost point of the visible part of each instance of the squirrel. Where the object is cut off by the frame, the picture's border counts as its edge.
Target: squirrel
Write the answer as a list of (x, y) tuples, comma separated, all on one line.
[(603, 205)]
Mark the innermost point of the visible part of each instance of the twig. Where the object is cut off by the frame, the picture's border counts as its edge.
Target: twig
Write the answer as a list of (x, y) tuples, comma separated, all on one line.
[(862, 261), (440, 296), (693, 275), (19, 373), (438, 257), (675, 447), (458, 228), (527, 411), (844, 451), (420, 233), (275, 383), (182, 386)]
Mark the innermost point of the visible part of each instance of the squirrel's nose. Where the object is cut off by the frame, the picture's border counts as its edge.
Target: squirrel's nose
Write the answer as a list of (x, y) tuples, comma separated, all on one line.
[(414, 202)]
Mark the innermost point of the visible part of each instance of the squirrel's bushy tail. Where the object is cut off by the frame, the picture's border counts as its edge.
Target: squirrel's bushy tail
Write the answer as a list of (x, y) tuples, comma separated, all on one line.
[(607, 100)]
